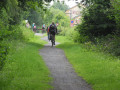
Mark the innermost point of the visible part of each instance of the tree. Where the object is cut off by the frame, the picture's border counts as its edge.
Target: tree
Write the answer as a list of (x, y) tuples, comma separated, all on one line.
[(35, 17), (116, 10), (58, 5), (12, 13), (97, 19), (57, 16)]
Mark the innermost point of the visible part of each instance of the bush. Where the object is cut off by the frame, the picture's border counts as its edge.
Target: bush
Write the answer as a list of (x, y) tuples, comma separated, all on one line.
[(63, 31), (4, 34), (97, 20), (15, 32), (26, 33), (72, 34), (68, 32), (114, 46), (108, 44), (3, 52)]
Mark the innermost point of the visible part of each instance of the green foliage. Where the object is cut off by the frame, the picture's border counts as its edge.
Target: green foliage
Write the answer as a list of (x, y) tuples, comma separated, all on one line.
[(48, 0), (57, 16), (48, 17), (64, 31), (100, 70), (35, 17), (15, 32), (3, 53), (68, 32), (24, 67), (3, 35), (75, 36), (96, 21), (100, 26), (28, 4), (116, 5), (62, 39), (109, 44), (13, 11), (80, 38), (62, 20), (58, 5), (11, 16), (90, 2)]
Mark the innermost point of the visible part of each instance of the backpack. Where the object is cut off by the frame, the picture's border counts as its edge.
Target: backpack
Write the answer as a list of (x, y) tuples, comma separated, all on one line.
[(52, 27), (34, 26)]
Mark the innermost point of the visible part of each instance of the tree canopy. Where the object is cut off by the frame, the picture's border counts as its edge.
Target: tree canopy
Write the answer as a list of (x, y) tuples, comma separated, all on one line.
[(98, 19), (12, 14), (58, 5)]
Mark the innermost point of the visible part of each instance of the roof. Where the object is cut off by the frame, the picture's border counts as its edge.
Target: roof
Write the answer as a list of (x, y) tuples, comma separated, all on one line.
[(75, 6)]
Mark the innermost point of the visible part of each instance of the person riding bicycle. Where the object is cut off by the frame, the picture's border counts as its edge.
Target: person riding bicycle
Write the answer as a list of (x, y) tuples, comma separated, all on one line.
[(53, 31)]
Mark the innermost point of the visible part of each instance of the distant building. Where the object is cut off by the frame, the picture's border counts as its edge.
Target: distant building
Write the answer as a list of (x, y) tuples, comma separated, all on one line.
[(77, 20), (75, 13)]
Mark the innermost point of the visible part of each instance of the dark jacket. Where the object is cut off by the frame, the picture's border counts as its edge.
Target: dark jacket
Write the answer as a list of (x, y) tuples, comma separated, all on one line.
[(51, 29)]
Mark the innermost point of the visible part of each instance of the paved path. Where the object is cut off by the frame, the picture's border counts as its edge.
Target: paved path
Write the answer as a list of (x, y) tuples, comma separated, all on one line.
[(61, 70), (39, 34)]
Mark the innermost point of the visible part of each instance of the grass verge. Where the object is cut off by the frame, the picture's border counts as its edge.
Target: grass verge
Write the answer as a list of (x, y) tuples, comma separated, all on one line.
[(62, 39), (100, 70), (24, 68)]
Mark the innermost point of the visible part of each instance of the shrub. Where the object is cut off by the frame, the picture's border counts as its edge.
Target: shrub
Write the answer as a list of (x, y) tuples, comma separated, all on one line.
[(4, 33), (109, 44), (97, 20), (15, 32)]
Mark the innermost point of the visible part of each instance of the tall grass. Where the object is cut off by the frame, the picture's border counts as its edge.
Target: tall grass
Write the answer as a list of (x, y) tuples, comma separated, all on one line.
[(24, 68), (62, 39), (100, 70)]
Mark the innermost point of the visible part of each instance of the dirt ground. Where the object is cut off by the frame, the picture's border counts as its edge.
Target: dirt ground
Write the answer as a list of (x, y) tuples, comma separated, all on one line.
[(64, 76)]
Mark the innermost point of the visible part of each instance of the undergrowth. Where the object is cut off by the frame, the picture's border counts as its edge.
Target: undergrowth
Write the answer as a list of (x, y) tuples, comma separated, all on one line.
[(24, 68), (100, 70)]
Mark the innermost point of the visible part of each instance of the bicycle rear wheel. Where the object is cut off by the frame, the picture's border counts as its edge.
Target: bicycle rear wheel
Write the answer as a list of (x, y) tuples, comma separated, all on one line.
[(52, 41)]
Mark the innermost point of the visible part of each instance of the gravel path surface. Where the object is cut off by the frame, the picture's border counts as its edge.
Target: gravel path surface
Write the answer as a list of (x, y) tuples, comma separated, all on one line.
[(61, 70)]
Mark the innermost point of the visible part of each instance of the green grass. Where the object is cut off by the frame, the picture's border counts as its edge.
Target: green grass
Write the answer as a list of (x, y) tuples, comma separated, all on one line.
[(24, 68), (100, 70), (62, 39)]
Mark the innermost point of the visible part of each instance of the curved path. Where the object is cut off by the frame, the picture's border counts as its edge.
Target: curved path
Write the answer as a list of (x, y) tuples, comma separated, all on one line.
[(61, 70)]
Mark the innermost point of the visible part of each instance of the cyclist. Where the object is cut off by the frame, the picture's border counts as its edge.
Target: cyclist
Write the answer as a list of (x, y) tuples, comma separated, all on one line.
[(53, 31), (34, 28)]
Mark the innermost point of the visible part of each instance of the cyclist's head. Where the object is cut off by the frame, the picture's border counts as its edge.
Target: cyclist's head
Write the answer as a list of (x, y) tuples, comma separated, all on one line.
[(52, 22)]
